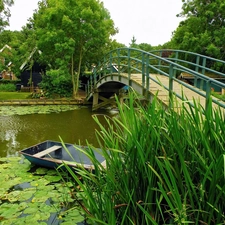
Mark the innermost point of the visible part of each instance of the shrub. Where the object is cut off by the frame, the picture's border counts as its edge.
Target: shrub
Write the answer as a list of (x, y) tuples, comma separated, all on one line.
[(7, 87), (56, 82), (3, 81)]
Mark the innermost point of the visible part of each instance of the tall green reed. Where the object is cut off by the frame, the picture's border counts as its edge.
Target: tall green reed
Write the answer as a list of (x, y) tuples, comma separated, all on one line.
[(162, 167)]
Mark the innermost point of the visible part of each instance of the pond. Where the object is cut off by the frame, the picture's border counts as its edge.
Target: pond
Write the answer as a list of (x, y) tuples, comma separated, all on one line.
[(21, 131)]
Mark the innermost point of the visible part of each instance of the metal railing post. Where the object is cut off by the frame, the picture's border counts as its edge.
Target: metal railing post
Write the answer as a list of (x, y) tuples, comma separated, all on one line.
[(147, 70), (203, 72), (111, 64), (176, 58), (100, 74), (159, 63), (208, 94), (143, 69), (196, 69), (118, 63), (128, 64), (171, 73)]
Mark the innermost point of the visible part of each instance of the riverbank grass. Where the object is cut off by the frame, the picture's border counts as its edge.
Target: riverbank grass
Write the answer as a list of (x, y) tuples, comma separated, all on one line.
[(161, 167), (14, 95)]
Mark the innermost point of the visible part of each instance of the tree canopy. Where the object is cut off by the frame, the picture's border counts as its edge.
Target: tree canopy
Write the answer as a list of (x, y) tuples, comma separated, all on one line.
[(203, 30), (5, 12), (72, 34)]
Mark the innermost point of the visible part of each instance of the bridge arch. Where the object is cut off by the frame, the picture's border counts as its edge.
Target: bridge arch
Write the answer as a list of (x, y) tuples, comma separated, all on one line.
[(110, 85)]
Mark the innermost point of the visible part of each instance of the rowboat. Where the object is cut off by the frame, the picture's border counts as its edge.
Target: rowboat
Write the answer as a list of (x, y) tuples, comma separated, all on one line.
[(52, 154)]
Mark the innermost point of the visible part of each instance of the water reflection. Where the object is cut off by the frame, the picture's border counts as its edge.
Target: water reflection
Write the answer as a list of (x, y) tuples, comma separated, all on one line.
[(19, 132)]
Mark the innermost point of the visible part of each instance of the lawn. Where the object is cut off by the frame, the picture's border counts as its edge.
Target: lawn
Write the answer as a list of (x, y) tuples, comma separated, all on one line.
[(14, 95)]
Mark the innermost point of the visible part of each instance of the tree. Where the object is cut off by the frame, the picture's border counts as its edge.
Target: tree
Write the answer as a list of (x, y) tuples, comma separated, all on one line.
[(133, 43), (203, 30), (146, 47), (5, 12), (72, 32)]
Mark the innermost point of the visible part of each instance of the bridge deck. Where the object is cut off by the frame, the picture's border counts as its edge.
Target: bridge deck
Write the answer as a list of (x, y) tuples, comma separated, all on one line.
[(162, 93)]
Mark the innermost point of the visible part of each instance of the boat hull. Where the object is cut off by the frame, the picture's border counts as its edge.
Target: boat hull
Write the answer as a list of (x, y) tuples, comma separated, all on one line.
[(69, 154)]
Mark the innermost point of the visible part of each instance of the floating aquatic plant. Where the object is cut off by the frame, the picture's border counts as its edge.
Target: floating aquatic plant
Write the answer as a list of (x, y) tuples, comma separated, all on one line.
[(46, 109), (30, 195)]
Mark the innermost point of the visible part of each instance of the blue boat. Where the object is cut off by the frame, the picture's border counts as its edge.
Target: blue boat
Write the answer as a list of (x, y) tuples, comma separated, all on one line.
[(52, 154)]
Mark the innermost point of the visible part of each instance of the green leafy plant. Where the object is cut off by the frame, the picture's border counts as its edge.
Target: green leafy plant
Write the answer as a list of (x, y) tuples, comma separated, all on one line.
[(56, 82), (161, 167), (34, 195), (7, 87)]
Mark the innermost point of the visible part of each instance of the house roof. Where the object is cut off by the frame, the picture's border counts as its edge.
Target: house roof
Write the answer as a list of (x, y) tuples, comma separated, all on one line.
[(4, 47), (29, 57)]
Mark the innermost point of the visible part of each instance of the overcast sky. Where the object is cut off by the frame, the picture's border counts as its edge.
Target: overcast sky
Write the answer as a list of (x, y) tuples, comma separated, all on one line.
[(149, 21)]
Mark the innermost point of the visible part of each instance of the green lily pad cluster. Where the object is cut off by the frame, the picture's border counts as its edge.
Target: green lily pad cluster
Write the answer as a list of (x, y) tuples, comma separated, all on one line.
[(44, 109), (34, 195)]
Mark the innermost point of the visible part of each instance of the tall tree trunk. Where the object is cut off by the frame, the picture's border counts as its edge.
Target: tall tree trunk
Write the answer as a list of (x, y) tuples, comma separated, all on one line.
[(73, 77), (78, 73)]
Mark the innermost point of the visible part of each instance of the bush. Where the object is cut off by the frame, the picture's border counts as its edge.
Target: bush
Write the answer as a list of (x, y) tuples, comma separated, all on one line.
[(3, 81), (7, 87), (56, 82)]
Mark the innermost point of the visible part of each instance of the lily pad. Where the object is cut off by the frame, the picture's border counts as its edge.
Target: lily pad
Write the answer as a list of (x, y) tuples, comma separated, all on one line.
[(41, 171), (72, 216), (46, 109), (53, 178), (39, 183), (9, 211), (34, 197), (14, 196)]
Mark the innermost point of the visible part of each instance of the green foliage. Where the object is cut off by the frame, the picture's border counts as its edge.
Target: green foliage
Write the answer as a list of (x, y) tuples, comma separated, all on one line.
[(203, 29), (146, 47), (72, 33), (22, 44), (3, 81), (161, 167), (7, 87), (5, 12), (34, 195), (133, 43), (56, 82)]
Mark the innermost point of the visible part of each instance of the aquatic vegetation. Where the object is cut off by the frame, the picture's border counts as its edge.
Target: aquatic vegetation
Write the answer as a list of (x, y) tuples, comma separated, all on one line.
[(30, 195), (45, 109)]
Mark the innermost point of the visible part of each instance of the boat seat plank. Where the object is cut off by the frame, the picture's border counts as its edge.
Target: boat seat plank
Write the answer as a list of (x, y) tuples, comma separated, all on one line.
[(72, 163), (47, 151), (104, 163)]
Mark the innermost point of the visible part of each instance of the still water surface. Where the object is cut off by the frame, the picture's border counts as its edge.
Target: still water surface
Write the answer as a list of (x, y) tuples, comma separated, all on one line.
[(21, 131)]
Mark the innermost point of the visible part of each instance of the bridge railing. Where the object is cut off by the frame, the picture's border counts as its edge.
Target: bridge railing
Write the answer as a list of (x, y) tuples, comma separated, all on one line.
[(170, 63)]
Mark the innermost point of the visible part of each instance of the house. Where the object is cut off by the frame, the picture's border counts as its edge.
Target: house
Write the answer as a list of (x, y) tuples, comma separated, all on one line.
[(5, 63), (33, 73)]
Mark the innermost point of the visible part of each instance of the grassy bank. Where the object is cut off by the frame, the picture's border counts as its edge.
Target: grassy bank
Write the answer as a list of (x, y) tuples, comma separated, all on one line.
[(14, 95), (162, 168)]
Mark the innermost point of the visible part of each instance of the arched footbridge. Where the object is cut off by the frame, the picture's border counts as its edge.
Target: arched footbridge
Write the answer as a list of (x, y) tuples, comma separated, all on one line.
[(167, 74)]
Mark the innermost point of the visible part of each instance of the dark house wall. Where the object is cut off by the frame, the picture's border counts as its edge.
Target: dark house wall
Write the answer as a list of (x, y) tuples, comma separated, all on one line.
[(36, 75)]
